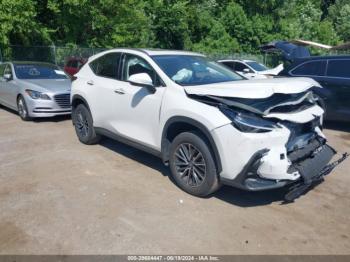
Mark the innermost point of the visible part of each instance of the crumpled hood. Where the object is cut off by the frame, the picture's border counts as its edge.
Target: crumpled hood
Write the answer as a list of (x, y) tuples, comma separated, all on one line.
[(259, 88), (48, 85)]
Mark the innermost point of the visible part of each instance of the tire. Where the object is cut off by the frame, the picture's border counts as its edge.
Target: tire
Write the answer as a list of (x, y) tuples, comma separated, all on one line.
[(23, 109), (195, 172), (83, 124)]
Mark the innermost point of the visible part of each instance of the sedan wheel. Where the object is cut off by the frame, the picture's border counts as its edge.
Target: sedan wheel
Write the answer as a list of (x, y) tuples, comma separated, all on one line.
[(22, 109)]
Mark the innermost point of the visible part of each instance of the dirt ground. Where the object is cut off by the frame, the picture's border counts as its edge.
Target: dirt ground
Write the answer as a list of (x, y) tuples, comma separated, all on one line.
[(58, 196)]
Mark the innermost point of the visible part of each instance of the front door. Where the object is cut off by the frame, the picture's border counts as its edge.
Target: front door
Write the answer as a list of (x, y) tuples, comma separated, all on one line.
[(139, 119)]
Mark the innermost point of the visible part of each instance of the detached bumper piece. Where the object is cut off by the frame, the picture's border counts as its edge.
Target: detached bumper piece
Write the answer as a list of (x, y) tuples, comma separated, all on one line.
[(313, 170), (248, 179)]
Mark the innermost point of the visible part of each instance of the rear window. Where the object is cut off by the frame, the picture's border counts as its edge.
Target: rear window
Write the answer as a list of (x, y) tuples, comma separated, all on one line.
[(240, 67), (312, 68), (339, 68), (228, 64), (107, 65)]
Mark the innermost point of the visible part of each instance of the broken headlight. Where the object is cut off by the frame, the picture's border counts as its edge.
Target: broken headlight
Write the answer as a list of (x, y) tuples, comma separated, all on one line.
[(248, 123)]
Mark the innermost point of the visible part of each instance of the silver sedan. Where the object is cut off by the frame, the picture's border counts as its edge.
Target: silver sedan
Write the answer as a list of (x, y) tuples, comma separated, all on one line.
[(34, 89)]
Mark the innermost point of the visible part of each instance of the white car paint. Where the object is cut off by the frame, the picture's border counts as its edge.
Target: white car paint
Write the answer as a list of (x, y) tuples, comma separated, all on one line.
[(261, 88), (253, 73), (141, 116)]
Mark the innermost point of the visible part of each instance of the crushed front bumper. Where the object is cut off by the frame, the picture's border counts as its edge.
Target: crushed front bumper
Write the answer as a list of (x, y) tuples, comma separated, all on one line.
[(313, 170), (265, 163)]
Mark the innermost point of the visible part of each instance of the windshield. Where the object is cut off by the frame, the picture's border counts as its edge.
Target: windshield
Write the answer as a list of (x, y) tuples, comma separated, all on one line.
[(194, 70), (257, 66), (38, 71)]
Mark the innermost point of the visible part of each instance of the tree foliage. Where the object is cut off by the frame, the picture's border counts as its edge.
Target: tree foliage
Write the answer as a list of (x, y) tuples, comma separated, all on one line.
[(220, 26)]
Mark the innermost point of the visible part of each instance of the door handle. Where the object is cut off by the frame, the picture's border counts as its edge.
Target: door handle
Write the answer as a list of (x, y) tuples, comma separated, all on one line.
[(90, 82), (119, 91)]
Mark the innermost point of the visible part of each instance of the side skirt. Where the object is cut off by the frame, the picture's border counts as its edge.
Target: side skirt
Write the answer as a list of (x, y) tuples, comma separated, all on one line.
[(128, 141)]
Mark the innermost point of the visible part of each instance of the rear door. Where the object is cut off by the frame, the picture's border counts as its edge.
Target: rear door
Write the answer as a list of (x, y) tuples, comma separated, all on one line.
[(338, 82), (101, 88)]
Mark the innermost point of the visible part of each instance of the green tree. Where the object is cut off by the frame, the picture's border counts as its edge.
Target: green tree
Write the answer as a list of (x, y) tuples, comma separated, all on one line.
[(18, 24)]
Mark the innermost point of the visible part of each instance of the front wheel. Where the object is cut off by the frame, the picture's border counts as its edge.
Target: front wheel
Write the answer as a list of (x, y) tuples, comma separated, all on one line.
[(192, 164), (83, 124), (22, 109)]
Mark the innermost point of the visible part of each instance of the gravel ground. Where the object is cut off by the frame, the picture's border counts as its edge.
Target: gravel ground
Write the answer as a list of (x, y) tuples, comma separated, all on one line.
[(58, 196)]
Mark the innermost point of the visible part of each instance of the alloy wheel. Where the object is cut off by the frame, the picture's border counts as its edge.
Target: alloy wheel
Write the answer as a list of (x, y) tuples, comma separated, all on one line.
[(22, 108), (82, 124), (190, 164)]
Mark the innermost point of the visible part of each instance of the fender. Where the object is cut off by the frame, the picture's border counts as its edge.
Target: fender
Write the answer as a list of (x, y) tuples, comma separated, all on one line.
[(165, 143), (79, 97)]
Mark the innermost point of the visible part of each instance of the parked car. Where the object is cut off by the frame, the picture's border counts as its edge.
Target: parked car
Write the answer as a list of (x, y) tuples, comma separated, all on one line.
[(73, 65), (34, 89), (206, 122), (251, 69), (333, 74)]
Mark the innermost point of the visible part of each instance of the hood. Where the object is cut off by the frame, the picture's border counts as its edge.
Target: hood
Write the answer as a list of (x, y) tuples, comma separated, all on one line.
[(48, 85), (259, 88), (289, 51)]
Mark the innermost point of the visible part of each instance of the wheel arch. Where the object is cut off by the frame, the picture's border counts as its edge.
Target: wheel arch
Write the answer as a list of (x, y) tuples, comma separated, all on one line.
[(77, 100), (179, 124)]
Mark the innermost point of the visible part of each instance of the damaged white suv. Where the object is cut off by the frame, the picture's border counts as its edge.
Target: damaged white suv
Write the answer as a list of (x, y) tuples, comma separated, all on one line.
[(209, 124)]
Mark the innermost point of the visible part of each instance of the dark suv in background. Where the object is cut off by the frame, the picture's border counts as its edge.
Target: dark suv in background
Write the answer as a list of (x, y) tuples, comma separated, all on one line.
[(333, 73)]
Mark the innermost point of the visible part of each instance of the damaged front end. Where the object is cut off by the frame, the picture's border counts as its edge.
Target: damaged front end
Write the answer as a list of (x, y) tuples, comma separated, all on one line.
[(305, 153)]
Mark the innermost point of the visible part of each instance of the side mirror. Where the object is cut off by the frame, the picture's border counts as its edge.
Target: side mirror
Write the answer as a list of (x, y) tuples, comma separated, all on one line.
[(7, 77), (143, 80), (246, 70)]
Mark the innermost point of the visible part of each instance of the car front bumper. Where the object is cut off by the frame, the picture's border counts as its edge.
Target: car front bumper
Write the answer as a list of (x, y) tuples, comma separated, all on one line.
[(58, 105), (259, 161)]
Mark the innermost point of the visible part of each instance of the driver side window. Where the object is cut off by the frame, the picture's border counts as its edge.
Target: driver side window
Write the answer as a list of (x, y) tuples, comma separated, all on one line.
[(136, 65)]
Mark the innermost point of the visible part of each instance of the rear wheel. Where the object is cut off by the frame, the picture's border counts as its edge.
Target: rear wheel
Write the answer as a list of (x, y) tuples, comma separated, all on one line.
[(192, 165), (83, 124), (23, 109)]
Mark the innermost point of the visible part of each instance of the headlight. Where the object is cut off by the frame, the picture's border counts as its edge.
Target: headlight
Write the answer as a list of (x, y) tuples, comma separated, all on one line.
[(248, 123), (37, 95)]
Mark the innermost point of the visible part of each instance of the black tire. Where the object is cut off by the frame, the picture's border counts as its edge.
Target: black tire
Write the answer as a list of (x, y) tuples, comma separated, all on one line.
[(23, 109), (201, 178), (83, 124)]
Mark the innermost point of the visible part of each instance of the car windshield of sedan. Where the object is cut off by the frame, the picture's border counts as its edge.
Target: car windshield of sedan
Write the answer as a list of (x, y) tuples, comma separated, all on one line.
[(257, 66), (189, 70), (38, 71)]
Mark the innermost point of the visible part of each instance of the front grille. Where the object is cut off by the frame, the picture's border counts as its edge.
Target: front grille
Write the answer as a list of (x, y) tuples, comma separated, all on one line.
[(63, 100)]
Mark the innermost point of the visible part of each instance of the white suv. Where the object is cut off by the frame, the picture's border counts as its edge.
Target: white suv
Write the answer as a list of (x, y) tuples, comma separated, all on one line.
[(209, 124)]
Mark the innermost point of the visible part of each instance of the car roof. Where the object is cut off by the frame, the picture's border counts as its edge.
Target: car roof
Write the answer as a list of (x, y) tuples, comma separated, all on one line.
[(236, 60), (156, 52), (323, 57)]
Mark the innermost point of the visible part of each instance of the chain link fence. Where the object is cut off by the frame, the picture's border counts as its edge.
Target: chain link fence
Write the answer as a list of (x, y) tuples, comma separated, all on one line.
[(51, 54), (60, 55)]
